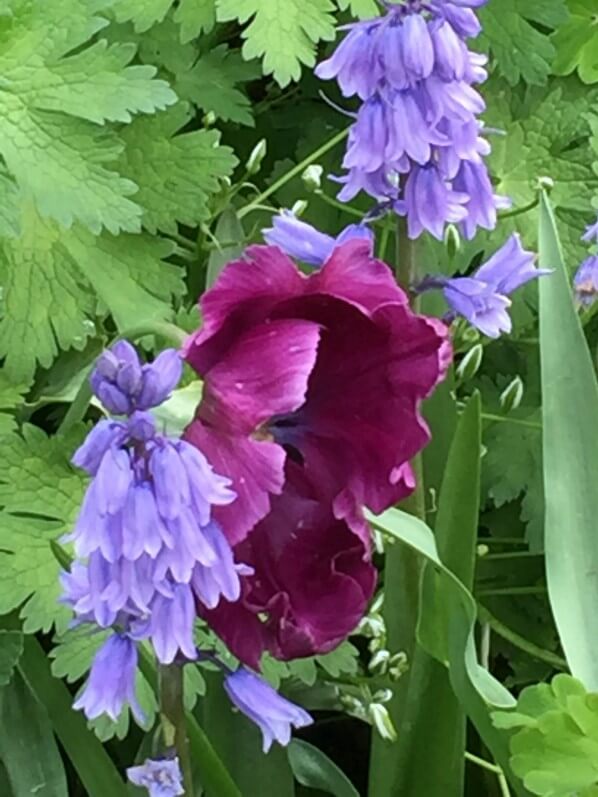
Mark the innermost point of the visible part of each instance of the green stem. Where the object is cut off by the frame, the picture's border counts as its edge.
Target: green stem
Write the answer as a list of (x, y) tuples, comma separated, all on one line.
[(402, 576), (296, 170), (174, 725), (334, 203), (510, 214), (76, 412), (502, 781), (487, 416), (520, 642)]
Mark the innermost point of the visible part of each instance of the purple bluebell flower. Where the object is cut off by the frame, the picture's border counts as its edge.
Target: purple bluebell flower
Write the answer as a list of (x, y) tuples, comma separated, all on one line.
[(124, 385), (483, 298), (480, 304), (111, 683), (417, 140), (148, 547), (591, 233), (430, 202), (302, 241), (273, 714), (161, 778), (472, 180), (585, 282)]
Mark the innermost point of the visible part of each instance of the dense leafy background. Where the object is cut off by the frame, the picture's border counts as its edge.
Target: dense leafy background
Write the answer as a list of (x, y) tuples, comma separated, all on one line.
[(125, 127)]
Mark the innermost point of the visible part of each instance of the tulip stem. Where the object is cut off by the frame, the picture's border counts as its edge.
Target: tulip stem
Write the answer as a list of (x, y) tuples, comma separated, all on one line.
[(174, 724)]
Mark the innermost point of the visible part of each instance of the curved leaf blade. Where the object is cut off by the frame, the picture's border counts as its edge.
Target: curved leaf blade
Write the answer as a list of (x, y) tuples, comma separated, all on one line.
[(313, 768), (570, 420)]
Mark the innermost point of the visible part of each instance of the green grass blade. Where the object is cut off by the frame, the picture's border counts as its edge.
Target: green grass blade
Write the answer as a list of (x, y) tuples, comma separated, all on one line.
[(91, 761), (570, 425), (28, 748), (447, 632), (431, 750)]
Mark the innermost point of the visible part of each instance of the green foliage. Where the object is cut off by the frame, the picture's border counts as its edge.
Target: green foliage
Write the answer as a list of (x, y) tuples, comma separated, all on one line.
[(513, 466), (283, 32), (11, 648), (186, 168), (40, 494), (28, 749), (314, 769), (576, 42), (59, 159), (513, 30), (546, 135), (554, 747), (569, 410)]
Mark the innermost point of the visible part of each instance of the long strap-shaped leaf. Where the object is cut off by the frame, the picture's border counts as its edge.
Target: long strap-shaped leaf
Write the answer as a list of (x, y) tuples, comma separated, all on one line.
[(570, 424), (447, 625), (94, 767)]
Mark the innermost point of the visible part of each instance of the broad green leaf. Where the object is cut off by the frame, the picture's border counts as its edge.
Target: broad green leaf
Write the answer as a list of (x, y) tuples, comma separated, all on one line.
[(548, 136), (364, 9), (312, 768), (195, 16), (176, 174), (53, 278), (513, 465), (213, 84), (29, 572), (59, 159), (576, 42), (11, 647), (555, 745), (41, 494), (143, 13), (570, 412), (283, 32), (512, 30), (11, 397), (238, 742), (27, 746), (92, 763)]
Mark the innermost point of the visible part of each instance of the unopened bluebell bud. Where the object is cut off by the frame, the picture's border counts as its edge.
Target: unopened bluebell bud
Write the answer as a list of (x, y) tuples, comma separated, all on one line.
[(258, 153), (452, 240), (470, 364), (380, 719), (512, 395), (312, 177)]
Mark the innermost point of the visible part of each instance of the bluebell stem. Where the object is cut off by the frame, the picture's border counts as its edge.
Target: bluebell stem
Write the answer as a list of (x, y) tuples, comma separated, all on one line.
[(147, 547), (419, 119)]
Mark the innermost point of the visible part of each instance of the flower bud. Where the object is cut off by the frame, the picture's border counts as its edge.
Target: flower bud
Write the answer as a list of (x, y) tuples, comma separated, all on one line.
[(512, 395), (380, 719), (398, 665), (299, 207), (378, 664), (258, 153), (452, 240), (312, 177), (470, 364)]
